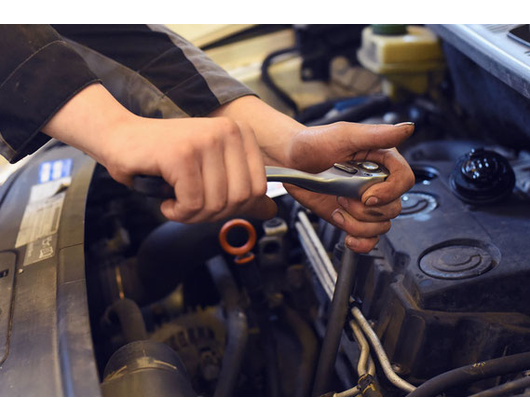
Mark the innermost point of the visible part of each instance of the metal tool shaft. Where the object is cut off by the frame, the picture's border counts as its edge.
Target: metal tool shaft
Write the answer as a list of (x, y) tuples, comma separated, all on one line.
[(348, 180), (336, 320)]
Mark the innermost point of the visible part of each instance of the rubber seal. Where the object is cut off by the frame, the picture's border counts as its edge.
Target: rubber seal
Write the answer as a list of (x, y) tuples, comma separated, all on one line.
[(240, 250)]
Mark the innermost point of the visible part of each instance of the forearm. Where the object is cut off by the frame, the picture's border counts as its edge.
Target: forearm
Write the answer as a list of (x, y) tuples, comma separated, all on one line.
[(85, 122), (214, 164)]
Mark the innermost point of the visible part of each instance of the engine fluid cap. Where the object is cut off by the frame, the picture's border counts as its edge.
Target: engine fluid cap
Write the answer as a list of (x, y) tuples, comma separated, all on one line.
[(242, 253), (389, 28), (482, 177), (455, 262), (480, 168)]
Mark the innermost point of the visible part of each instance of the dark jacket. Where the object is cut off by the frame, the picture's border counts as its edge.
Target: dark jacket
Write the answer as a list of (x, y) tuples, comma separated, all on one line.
[(152, 71)]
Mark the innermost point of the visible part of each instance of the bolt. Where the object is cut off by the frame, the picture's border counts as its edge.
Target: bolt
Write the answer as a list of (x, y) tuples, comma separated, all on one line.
[(20, 270), (398, 369)]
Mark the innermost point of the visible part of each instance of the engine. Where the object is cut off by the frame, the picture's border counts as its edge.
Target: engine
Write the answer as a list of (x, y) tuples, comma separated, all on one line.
[(445, 288), (281, 307)]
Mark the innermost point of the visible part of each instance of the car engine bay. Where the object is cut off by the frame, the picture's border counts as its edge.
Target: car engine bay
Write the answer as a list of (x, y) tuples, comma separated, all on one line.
[(281, 307)]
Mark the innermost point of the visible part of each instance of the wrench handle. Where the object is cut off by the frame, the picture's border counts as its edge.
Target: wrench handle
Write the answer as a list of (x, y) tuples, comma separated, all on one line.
[(153, 186), (349, 182)]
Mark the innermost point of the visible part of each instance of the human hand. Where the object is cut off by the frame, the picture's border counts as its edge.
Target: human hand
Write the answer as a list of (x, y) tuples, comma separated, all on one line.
[(214, 165), (318, 148)]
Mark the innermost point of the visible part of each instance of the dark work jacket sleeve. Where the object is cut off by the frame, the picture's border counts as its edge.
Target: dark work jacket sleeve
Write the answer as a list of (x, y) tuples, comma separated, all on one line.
[(39, 73), (153, 71)]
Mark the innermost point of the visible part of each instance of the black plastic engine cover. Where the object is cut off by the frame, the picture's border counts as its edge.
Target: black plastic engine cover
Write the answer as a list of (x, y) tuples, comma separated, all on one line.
[(449, 285), (45, 342)]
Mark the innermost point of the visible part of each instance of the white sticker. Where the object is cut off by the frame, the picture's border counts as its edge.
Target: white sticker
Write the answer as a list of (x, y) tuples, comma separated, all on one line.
[(43, 191), (41, 218)]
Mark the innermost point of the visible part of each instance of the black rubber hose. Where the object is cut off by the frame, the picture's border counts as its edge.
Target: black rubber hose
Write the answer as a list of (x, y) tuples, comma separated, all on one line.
[(130, 319), (336, 320), (376, 104), (236, 325), (266, 78), (472, 373), (506, 389), (237, 337), (309, 345)]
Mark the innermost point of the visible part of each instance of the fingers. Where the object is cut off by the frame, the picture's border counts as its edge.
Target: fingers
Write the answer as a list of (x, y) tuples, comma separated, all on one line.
[(247, 183), (372, 214), (361, 245), (351, 216), (362, 236), (357, 228), (364, 224), (188, 188), (400, 180), (229, 178)]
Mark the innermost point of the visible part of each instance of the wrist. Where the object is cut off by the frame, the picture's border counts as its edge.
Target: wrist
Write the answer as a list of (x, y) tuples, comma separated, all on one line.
[(124, 147), (274, 131)]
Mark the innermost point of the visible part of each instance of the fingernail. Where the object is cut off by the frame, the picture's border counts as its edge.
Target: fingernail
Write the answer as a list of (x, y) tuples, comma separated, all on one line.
[(352, 242), (404, 123), (372, 201), (337, 217)]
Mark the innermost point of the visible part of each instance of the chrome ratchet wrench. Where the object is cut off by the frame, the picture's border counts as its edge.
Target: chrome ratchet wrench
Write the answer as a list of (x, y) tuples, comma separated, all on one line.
[(349, 179)]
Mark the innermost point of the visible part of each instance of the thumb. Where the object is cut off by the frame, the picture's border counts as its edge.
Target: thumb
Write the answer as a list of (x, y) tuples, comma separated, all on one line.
[(318, 148), (261, 208), (373, 136)]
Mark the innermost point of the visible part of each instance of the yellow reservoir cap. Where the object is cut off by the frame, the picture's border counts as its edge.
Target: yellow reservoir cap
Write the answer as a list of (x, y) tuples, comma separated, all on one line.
[(411, 62)]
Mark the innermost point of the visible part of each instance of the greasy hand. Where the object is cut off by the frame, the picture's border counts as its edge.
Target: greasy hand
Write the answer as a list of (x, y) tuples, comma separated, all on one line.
[(318, 148)]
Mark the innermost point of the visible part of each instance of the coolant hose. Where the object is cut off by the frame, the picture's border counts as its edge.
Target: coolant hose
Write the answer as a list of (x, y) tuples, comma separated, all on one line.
[(309, 345), (236, 326), (250, 277), (472, 373), (237, 335)]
